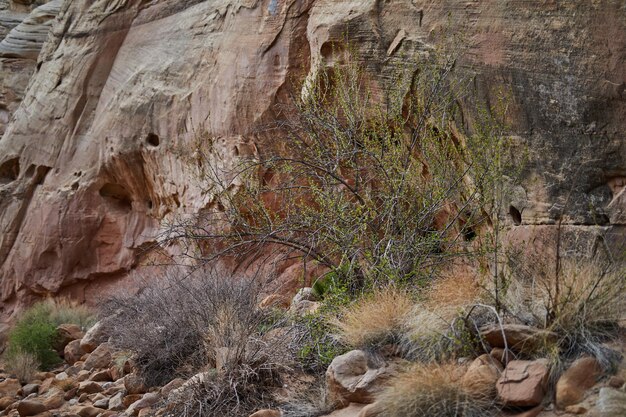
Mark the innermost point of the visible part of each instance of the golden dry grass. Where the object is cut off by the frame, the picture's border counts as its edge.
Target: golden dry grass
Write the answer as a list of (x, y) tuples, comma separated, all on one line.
[(453, 291), (434, 390), (375, 319), (23, 366)]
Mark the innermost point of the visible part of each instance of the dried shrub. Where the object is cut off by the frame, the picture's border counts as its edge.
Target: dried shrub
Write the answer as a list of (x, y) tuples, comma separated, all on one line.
[(23, 366), (65, 311), (209, 326), (434, 391), (375, 319)]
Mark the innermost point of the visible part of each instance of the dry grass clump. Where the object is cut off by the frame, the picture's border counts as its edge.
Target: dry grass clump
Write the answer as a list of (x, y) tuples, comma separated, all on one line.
[(63, 311), (376, 319), (455, 290), (23, 366), (434, 391)]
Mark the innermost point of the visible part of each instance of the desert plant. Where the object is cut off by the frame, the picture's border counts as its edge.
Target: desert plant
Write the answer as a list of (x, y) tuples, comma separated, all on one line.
[(181, 324), (22, 365), (65, 311), (434, 391), (34, 333), (375, 319), (374, 186)]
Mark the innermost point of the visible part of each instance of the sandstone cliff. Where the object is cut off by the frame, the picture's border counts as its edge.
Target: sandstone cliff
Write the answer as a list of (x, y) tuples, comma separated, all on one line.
[(100, 125)]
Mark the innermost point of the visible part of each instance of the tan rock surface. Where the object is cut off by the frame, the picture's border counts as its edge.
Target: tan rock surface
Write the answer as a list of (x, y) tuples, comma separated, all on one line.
[(523, 383), (91, 163), (579, 377)]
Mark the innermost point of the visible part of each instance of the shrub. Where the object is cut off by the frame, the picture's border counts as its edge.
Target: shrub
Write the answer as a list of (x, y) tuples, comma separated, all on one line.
[(22, 365), (35, 330), (434, 391), (182, 324), (375, 319), (34, 333)]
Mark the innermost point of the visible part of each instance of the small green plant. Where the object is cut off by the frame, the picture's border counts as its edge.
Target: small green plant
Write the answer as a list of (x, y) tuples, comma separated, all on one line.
[(34, 333)]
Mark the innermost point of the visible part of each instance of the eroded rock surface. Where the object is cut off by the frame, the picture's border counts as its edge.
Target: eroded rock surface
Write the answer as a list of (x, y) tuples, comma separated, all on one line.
[(100, 152)]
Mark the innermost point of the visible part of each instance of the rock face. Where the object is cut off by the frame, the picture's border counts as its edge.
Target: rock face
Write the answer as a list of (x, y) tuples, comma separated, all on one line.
[(98, 151)]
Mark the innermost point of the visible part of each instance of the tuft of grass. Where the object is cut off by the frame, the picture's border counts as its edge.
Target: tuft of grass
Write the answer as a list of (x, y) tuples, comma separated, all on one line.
[(22, 365), (65, 311), (434, 391), (375, 319)]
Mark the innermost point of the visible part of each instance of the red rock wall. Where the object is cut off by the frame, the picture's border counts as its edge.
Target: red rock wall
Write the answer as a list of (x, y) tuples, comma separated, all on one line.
[(122, 90)]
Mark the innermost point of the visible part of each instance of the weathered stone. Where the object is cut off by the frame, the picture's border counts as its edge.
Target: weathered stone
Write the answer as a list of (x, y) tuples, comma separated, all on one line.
[(523, 383), (353, 378), (102, 403), (99, 358), (9, 387), (129, 399), (134, 384), (616, 382), (30, 407), (73, 352), (579, 377), (88, 411), (170, 386), (147, 400), (518, 337), (610, 403), (30, 389), (115, 403), (54, 399), (576, 409), (89, 387), (65, 334), (482, 375), (5, 402), (94, 337), (101, 376)]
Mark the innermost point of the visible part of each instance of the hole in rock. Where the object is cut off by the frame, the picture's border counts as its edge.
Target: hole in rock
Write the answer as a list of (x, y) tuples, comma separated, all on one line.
[(152, 139), (117, 194), (75, 185), (9, 170), (149, 204), (516, 215)]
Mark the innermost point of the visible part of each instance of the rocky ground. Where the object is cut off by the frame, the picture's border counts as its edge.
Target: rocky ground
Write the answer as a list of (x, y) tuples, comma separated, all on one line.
[(96, 379)]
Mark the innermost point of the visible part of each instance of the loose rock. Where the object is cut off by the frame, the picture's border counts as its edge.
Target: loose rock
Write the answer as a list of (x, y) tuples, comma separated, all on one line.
[(523, 383)]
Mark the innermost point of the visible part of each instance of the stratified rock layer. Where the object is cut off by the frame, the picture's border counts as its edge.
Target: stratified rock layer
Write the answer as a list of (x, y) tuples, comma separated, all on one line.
[(100, 151)]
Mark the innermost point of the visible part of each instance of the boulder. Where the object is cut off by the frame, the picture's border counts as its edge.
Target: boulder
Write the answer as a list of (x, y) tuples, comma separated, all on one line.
[(5, 402), (65, 334), (9, 387), (89, 387), (353, 377), (88, 411), (101, 403), (171, 386), (523, 383), (115, 403), (611, 403), (519, 338), (482, 375), (579, 377), (134, 384), (73, 352), (30, 389), (94, 337), (147, 400), (99, 358), (101, 376), (30, 407), (54, 398), (130, 399)]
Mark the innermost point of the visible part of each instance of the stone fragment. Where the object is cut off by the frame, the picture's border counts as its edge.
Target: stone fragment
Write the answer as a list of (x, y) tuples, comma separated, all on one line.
[(30, 389), (147, 400), (523, 383), (5, 402), (519, 338), (88, 411), (579, 377), (616, 382), (9, 387), (576, 409), (170, 386), (115, 403), (73, 352), (65, 334), (99, 358), (611, 403), (89, 387), (482, 375), (102, 403), (134, 384), (94, 337), (130, 399), (352, 378), (30, 407), (54, 399), (101, 376)]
